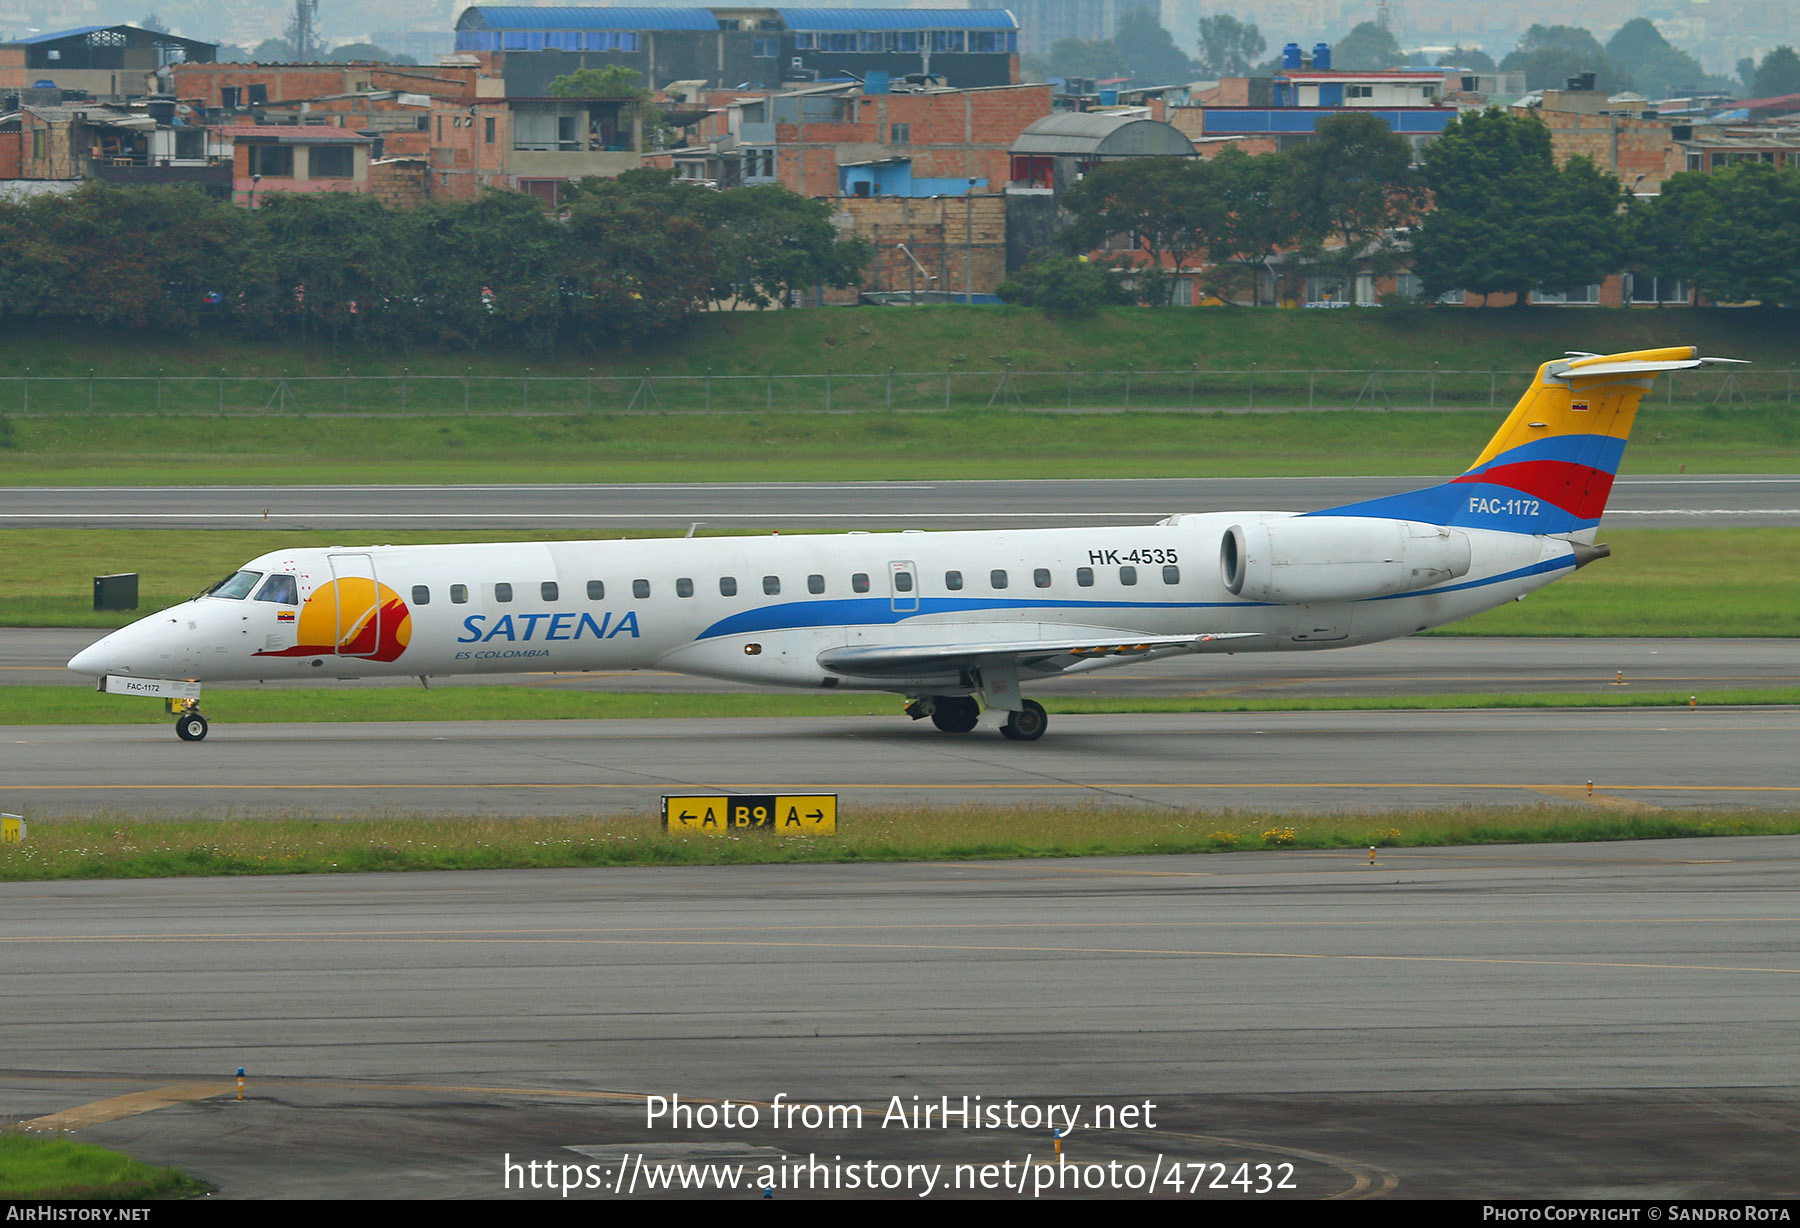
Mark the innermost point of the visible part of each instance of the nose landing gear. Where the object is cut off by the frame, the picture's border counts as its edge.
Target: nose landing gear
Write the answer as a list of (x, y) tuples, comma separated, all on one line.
[(190, 726)]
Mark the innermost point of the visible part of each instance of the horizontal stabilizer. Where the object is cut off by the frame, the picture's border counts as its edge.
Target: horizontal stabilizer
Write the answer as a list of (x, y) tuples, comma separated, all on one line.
[(1584, 370)]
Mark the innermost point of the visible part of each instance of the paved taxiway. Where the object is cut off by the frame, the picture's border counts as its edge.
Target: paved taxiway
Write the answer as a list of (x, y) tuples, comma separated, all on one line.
[(1670, 757), (1593, 1021), (1651, 501), (1412, 666)]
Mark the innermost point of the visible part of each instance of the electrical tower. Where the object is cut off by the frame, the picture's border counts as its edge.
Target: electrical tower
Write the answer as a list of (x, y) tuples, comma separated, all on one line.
[(306, 16)]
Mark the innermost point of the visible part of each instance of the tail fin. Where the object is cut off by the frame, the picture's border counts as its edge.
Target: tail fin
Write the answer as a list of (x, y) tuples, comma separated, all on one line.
[(1550, 467)]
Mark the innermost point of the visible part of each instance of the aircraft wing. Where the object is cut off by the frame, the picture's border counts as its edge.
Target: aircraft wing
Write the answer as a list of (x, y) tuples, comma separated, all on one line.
[(1041, 655)]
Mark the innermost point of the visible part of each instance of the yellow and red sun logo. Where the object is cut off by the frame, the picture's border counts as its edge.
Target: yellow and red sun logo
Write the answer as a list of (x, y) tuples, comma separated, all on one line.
[(351, 617)]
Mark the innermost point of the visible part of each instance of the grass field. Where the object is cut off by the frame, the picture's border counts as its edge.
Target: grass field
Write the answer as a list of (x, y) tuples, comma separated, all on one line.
[(63, 705), (119, 846), (113, 450), (1659, 582), (933, 338), (32, 1167)]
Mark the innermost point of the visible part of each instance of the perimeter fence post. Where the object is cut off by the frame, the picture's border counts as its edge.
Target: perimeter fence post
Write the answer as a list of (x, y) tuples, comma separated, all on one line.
[(709, 390), (827, 389), (221, 390), (404, 372), (466, 371), (159, 379), (1431, 396), (345, 398), (28, 387), (525, 393), (1252, 404), (890, 387), (90, 390)]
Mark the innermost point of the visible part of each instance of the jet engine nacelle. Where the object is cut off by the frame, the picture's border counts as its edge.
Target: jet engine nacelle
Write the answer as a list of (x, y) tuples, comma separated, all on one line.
[(1338, 558)]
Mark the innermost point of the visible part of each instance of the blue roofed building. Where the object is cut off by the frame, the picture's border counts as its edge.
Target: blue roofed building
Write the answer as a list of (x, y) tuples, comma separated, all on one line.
[(1273, 113), (744, 48)]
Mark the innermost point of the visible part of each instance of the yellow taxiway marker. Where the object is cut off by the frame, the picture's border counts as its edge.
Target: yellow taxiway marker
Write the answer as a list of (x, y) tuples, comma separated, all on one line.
[(129, 1105)]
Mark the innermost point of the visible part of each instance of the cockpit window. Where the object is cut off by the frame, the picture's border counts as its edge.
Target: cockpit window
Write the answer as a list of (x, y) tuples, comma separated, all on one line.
[(280, 588), (236, 586)]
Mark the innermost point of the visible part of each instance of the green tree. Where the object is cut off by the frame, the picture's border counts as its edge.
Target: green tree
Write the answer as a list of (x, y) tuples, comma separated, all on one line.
[(1354, 186), (1067, 285), (1366, 48), (772, 242), (1778, 75), (1151, 52), (1228, 47), (1260, 215), (1467, 57), (486, 270), (613, 81), (330, 269), (369, 52), (1164, 207), (1733, 234), (1657, 68), (1507, 219), (640, 257), (1074, 57), (1550, 55)]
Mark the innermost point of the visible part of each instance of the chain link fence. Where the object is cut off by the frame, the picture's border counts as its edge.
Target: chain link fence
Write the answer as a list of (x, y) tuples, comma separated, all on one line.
[(954, 387)]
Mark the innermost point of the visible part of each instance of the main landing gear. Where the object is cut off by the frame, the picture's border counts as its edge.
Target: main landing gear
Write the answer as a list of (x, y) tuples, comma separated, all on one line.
[(1027, 724), (959, 714), (190, 726)]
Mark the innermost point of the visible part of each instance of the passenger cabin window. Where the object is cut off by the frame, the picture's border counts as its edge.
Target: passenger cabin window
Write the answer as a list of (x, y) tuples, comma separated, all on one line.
[(547, 590), (502, 592), (815, 584), (1084, 576), (1171, 575), (282, 589), (1128, 576), (684, 587), (459, 593), (997, 579), (236, 586), (640, 588), (596, 590), (727, 586), (860, 582), (1041, 577), (421, 595), (772, 585), (903, 581), (953, 581)]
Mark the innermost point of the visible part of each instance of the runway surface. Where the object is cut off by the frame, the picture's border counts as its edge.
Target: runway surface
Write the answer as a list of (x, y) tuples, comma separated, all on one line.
[(1594, 1021), (1666, 501), (1411, 666), (1283, 761)]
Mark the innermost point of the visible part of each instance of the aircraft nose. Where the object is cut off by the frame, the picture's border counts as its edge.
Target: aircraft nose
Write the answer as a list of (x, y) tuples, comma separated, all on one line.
[(95, 659)]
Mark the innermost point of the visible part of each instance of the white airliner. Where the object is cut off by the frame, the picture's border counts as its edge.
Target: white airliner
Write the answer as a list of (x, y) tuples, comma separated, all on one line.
[(955, 621)]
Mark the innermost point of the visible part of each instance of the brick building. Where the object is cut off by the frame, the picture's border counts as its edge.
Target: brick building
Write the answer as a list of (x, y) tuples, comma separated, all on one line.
[(852, 140), (936, 247)]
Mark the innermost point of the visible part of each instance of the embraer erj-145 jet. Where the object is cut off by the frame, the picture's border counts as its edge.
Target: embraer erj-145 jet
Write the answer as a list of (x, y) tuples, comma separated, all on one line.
[(954, 621)]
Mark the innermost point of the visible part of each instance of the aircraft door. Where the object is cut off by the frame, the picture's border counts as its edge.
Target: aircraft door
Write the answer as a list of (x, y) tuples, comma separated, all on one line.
[(355, 605), (903, 588)]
